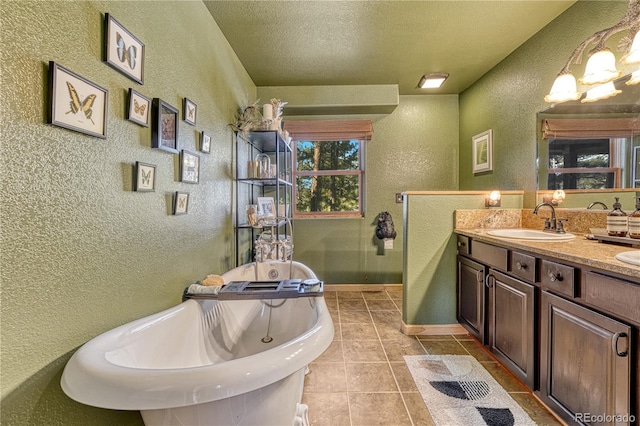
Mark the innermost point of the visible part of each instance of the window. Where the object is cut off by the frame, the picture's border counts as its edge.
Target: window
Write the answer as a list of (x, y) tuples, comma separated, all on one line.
[(329, 167), (582, 164)]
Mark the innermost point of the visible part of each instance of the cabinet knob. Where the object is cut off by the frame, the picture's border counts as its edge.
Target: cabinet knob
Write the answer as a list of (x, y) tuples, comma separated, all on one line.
[(521, 265), (461, 244), (488, 280), (555, 276), (614, 344)]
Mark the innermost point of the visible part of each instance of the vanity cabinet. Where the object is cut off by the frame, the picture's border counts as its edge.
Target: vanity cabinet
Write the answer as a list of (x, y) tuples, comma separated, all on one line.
[(585, 362), (472, 297)]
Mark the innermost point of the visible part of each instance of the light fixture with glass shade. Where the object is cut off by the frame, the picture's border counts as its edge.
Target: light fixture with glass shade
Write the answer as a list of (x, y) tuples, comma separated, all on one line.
[(432, 80), (601, 67)]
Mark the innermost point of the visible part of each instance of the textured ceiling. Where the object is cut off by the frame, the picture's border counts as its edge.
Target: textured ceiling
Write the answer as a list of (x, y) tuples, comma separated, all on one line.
[(305, 42)]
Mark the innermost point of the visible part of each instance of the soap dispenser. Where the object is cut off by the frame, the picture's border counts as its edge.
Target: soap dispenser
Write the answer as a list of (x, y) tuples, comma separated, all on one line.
[(634, 222), (617, 221)]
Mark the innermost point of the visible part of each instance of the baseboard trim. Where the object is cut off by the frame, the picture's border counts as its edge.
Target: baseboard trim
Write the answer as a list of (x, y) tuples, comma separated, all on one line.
[(362, 287), (432, 329)]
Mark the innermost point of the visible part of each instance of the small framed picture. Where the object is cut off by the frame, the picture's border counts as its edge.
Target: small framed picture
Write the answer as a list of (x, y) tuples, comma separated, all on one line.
[(164, 122), (189, 167), (205, 142), (123, 50), (483, 152), (189, 111), (266, 208), (180, 203), (139, 108), (76, 103), (145, 177)]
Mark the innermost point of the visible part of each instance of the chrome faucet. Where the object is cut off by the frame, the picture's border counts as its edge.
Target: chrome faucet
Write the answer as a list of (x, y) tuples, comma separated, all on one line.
[(604, 206), (551, 225)]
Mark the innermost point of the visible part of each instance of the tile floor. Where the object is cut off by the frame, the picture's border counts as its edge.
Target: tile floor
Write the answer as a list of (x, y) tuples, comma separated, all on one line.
[(361, 379)]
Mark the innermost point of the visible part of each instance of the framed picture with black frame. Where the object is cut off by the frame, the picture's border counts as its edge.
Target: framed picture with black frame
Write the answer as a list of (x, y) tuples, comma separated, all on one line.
[(189, 111), (76, 103), (180, 203), (189, 167), (123, 51), (205, 142), (145, 177), (164, 122), (139, 108)]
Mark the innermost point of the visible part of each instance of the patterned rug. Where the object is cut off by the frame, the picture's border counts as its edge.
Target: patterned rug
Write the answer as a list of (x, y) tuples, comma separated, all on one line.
[(459, 391)]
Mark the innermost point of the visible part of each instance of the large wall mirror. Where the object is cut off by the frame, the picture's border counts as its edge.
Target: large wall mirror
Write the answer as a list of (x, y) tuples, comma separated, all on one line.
[(591, 147)]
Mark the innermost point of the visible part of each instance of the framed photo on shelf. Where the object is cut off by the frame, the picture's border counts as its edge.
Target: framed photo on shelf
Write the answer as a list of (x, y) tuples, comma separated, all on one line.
[(189, 111), (123, 50), (76, 103), (482, 146), (180, 203), (145, 177), (205, 142), (164, 122), (189, 167), (266, 208), (139, 109)]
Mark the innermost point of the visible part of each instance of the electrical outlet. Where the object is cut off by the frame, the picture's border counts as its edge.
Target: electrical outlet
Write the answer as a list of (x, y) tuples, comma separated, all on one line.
[(399, 197)]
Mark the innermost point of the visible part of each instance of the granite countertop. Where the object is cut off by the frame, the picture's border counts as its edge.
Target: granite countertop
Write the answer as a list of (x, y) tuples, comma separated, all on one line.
[(581, 250)]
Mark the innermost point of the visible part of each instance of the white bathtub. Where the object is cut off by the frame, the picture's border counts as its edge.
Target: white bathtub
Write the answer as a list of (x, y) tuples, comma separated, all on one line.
[(204, 362)]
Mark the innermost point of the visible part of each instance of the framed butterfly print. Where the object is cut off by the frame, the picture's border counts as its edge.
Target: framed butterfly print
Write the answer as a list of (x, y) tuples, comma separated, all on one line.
[(189, 111), (189, 167), (180, 202), (139, 109), (123, 50), (76, 103), (145, 177), (205, 142), (164, 126)]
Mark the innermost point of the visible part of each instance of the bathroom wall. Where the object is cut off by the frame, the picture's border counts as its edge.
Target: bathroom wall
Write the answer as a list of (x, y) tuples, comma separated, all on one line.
[(507, 98), (413, 148), (81, 252)]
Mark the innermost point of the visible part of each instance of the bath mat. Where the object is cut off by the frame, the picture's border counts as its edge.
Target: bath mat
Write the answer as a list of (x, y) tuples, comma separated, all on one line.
[(459, 391)]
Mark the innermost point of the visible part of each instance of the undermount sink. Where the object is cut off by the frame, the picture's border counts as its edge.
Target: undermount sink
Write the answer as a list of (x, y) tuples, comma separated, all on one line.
[(631, 257), (530, 234)]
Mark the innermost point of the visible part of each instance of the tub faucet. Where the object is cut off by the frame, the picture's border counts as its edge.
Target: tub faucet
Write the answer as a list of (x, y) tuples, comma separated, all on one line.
[(604, 206), (551, 225)]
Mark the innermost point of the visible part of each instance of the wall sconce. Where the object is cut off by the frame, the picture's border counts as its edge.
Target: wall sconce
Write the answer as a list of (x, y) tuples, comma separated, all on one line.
[(601, 67), (493, 199), (432, 81), (556, 198)]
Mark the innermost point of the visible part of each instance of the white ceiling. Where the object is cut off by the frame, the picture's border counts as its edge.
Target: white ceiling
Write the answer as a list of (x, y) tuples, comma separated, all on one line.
[(312, 42)]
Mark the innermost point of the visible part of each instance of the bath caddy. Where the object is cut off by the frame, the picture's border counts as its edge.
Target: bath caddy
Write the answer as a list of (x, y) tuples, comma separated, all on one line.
[(243, 290)]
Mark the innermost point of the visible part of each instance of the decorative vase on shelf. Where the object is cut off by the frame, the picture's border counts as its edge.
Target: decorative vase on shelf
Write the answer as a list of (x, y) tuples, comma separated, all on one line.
[(264, 166)]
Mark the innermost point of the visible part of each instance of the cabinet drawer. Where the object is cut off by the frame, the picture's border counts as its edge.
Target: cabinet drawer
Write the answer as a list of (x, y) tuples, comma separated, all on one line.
[(523, 266), (618, 297), (490, 255), (558, 277), (463, 245)]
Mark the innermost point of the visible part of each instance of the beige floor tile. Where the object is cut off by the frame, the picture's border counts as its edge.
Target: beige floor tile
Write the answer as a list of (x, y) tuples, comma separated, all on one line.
[(371, 409), (370, 377), (534, 409), (381, 305), (359, 331), (389, 332), (332, 354), (463, 337), (398, 348), (436, 337), (330, 295), (403, 377), (502, 376), (351, 304), (332, 304), (363, 351), (417, 409), (342, 295), (362, 316), (328, 409), (395, 294), (375, 295), (443, 347), (386, 317), (477, 351), (326, 377)]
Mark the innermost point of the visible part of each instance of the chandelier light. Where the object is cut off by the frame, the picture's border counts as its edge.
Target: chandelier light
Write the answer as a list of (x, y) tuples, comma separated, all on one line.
[(601, 67)]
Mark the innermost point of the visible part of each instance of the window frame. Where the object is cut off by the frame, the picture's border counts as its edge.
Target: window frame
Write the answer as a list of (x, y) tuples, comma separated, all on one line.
[(360, 172)]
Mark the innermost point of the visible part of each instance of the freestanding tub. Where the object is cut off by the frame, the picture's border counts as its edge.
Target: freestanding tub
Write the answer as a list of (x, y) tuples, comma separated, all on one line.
[(205, 362)]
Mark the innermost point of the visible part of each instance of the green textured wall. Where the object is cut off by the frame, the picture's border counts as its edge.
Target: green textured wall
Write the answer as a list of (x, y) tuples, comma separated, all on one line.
[(507, 98), (413, 148), (429, 267), (81, 253)]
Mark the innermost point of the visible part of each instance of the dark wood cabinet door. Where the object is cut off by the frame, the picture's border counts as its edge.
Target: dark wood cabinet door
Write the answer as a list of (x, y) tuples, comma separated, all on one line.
[(513, 325), (585, 363), (471, 297)]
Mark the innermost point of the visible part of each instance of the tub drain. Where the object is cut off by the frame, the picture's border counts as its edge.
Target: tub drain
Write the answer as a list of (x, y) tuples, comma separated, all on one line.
[(267, 339)]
